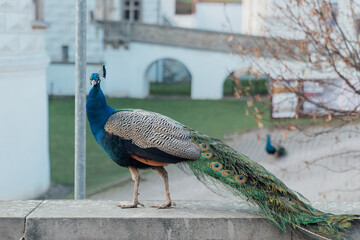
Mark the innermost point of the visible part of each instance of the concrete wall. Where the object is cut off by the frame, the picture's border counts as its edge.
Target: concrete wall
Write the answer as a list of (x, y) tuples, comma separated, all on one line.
[(127, 69), (24, 145), (176, 36), (36, 220)]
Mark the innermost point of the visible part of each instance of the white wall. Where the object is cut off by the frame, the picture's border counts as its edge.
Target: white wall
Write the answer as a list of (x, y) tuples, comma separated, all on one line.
[(223, 17), (185, 20), (25, 167), (24, 147), (253, 12), (168, 9), (127, 69)]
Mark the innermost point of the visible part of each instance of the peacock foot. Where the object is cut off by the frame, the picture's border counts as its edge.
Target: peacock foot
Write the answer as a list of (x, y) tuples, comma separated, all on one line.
[(165, 205), (134, 205)]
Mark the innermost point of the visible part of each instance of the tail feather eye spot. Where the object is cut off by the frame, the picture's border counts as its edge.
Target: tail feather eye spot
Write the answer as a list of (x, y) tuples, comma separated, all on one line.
[(216, 166), (207, 155), (240, 178), (204, 146), (227, 173)]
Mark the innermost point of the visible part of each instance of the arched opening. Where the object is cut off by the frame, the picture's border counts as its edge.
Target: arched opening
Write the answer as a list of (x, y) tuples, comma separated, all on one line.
[(168, 77), (245, 82)]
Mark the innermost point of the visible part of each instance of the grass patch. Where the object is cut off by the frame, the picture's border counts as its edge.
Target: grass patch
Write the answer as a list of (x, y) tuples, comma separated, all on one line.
[(177, 88), (258, 86)]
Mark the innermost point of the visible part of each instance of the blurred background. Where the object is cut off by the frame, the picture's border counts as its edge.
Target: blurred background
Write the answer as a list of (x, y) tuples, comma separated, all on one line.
[(183, 59)]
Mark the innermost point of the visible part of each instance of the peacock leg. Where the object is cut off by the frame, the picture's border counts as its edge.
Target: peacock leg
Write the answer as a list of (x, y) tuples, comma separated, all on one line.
[(135, 175), (164, 175)]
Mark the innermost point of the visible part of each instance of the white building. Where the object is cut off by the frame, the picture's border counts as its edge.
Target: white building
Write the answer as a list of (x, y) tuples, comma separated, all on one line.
[(24, 154), (224, 17)]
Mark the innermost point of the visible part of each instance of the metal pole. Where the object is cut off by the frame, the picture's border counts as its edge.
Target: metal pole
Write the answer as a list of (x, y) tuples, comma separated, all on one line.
[(80, 99)]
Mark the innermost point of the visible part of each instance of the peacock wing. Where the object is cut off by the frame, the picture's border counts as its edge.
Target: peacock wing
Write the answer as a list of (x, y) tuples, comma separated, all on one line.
[(153, 136)]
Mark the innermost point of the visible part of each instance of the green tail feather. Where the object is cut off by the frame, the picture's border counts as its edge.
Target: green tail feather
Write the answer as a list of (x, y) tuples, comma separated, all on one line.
[(247, 179)]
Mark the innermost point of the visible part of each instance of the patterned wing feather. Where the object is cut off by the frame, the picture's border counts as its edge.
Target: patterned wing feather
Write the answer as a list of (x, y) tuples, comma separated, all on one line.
[(148, 130)]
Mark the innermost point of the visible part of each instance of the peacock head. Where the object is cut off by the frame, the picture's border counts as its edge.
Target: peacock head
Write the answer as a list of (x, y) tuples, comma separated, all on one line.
[(95, 77)]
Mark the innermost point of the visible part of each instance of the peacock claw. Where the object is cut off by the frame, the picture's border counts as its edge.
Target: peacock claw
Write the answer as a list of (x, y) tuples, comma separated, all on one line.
[(165, 205), (134, 205)]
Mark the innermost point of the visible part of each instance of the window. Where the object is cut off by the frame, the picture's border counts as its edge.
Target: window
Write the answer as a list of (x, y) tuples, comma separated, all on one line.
[(131, 10), (92, 17), (65, 53)]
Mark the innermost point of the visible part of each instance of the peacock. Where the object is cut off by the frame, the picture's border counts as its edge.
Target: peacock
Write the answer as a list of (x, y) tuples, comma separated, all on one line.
[(277, 150), (139, 139)]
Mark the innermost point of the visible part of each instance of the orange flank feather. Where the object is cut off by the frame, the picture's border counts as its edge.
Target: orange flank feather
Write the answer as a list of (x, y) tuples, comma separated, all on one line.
[(148, 161)]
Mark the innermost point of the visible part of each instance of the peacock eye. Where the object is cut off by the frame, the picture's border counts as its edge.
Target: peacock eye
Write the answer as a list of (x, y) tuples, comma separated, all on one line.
[(216, 166), (240, 178)]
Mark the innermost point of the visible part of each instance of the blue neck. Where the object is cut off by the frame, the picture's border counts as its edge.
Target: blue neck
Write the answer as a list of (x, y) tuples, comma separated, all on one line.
[(268, 144), (97, 110)]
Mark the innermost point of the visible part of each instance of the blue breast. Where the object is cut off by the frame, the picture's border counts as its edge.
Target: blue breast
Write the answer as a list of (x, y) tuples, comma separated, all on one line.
[(98, 113), (269, 147)]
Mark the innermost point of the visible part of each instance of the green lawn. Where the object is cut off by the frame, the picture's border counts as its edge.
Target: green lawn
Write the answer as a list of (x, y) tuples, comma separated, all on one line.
[(177, 88), (184, 88), (213, 117), (258, 86)]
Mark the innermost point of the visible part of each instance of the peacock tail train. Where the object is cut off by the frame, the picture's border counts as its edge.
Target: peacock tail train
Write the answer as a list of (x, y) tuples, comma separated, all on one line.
[(247, 179)]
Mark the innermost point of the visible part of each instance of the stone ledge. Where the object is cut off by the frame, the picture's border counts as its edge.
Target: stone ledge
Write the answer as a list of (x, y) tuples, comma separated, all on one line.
[(87, 219)]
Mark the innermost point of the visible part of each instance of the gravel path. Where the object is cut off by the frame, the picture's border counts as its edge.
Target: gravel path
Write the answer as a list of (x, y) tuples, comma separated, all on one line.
[(326, 167)]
